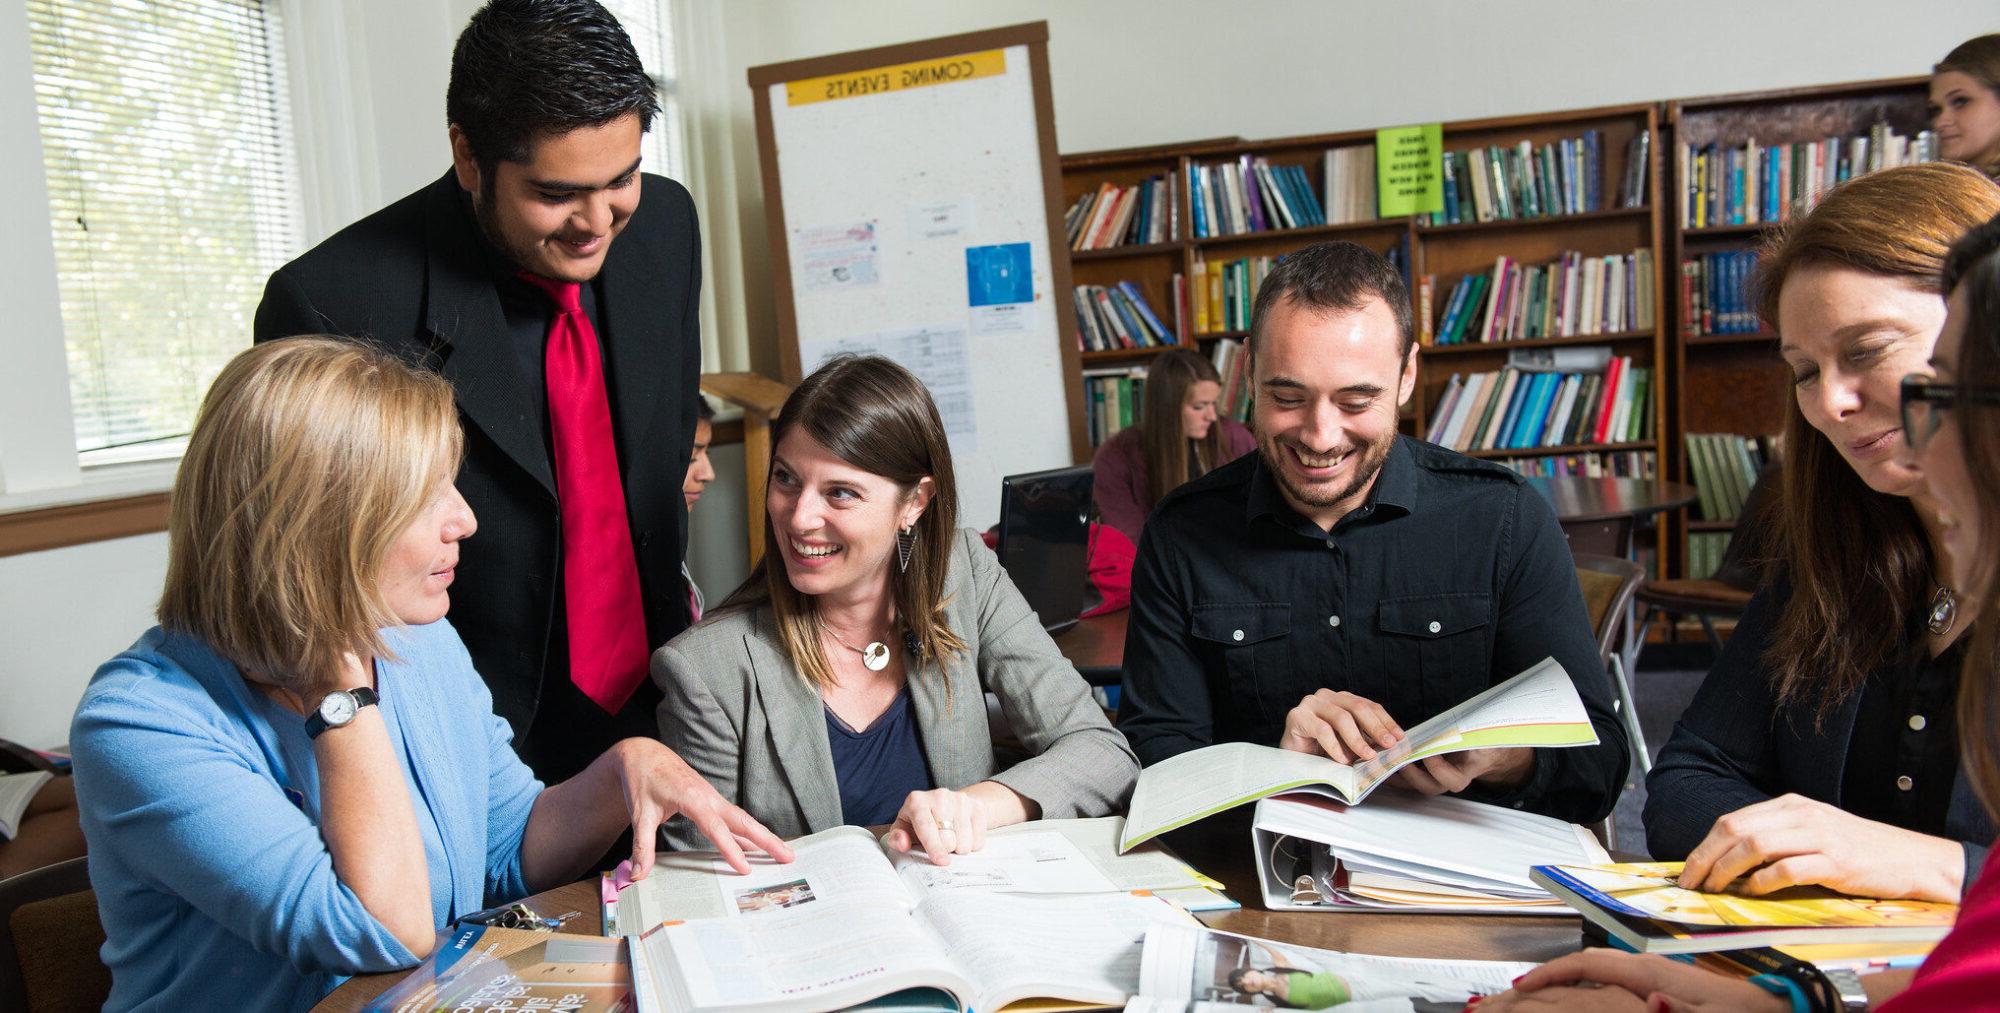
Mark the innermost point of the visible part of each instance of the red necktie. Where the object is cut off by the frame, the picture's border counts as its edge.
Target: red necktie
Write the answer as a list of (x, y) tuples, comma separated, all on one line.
[(607, 625)]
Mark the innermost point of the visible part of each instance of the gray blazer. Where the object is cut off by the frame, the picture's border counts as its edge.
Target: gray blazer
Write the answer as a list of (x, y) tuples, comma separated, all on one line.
[(743, 717)]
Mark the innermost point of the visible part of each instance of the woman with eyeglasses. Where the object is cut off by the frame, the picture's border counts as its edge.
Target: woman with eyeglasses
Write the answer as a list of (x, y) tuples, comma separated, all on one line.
[(1820, 749)]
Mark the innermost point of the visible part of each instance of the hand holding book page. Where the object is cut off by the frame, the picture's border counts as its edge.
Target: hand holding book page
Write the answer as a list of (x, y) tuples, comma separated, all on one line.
[(1187, 967), (1538, 708)]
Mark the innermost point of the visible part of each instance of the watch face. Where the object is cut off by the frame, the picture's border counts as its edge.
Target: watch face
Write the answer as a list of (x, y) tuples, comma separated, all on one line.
[(337, 709)]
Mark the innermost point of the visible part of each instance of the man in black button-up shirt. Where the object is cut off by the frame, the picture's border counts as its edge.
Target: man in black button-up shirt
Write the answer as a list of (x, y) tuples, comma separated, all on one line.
[(1345, 583)]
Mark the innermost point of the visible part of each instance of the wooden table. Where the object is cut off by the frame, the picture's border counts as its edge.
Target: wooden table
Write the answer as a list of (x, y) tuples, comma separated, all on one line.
[(1220, 847), (1096, 646), (1599, 514)]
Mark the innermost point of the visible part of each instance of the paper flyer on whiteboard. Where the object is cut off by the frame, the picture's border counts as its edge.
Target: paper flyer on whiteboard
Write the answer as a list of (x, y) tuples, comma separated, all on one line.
[(999, 287), (935, 354), (940, 219), (838, 256)]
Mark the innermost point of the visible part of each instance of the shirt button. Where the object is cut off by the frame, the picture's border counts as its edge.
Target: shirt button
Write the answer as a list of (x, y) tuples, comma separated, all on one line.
[(1333, 621), (1436, 626), (1917, 722), (1238, 634), (1904, 783)]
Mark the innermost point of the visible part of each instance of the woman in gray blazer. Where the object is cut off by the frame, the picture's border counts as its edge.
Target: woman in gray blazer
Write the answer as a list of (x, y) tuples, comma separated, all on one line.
[(845, 682)]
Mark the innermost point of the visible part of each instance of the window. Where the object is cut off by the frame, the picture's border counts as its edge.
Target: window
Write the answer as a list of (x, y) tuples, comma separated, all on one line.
[(651, 29), (165, 136)]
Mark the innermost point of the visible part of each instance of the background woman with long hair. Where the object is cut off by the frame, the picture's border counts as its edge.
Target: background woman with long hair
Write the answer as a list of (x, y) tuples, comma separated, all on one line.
[(1965, 104), (1179, 437)]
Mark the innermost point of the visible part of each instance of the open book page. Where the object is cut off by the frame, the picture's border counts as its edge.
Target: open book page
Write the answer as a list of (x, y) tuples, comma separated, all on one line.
[(1187, 967), (16, 791), (819, 955), (1151, 867), (1537, 708), (1037, 861), (1081, 948), (1456, 841), (839, 864), (1652, 890)]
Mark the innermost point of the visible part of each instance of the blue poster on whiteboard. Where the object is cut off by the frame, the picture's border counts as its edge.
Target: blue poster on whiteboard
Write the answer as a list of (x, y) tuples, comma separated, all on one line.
[(995, 275)]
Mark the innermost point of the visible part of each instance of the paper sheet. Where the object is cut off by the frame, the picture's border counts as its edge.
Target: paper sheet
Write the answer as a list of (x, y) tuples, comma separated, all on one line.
[(935, 354), (838, 256)]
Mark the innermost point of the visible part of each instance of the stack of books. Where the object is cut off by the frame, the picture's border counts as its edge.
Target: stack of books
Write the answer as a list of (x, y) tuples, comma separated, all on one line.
[(1749, 183), (1716, 293), (1350, 184), (1125, 216), (1594, 464), (1724, 466), (1573, 295), (1117, 316), (1564, 177), (1224, 291), (1516, 408), (1251, 195), (1112, 399)]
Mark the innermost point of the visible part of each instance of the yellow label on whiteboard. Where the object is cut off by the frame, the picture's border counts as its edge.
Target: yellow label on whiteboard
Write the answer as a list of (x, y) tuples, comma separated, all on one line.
[(901, 77)]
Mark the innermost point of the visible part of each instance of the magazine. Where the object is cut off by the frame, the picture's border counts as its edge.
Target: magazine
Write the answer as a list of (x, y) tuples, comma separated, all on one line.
[(1029, 917), (480, 968), (1538, 708), (1198, 970)]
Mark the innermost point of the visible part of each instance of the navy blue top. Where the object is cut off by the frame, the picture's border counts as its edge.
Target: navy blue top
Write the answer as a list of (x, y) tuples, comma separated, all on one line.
[(878, 768)]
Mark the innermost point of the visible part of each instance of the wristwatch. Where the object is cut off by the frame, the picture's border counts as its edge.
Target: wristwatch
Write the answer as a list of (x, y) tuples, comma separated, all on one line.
[(1847, 990), (338, 708)]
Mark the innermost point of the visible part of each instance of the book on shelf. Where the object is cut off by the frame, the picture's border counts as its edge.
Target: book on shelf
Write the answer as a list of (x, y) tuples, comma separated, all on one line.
[(1224, 303), (1573, 295), (1250, 194), (1113, 216), (1350, 184), (1717, 293), (1749, 183), (1112, 400), (1527, 405), (488, 969), (1118, 316), (1588, 464), (1411, 853), (1705, 551), (1047, 910), (1537, 708), (1563, 177), (1724, 467), (1643, 908), (1233, 365)]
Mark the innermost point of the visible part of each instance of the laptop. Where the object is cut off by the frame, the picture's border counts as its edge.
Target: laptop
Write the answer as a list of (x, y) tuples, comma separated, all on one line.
[(1045, 540)]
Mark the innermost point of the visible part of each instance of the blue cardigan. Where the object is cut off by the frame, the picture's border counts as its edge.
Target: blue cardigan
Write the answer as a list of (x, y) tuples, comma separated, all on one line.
[(200, 802)]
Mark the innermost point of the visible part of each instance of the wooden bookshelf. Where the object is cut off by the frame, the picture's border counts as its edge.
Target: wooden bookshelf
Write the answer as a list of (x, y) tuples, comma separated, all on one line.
[(1735, 383)]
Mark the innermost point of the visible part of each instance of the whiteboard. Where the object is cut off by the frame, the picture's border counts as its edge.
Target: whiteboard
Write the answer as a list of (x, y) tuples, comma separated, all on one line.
[(915, 222)]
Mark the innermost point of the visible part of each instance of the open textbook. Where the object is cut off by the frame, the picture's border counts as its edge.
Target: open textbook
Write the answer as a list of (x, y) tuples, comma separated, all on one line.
[(1538, 708), (1408, 852), (1643, 907), (16, 791), (1037, 857), (1197, 970), (1030, 916)]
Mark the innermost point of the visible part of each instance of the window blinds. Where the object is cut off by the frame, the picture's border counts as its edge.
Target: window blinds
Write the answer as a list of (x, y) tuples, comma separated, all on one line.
[(648, 24), (166, 137)]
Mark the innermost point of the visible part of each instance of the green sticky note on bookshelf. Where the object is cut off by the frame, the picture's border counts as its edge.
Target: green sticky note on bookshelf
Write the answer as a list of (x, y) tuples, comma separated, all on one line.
[(1409, 174)]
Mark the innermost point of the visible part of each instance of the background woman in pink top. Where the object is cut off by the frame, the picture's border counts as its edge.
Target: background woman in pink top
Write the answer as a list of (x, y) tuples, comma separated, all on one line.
[(1178, 437)]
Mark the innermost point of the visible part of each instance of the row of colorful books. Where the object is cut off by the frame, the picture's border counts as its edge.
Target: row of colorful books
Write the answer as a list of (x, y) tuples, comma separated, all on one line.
[(1717, 293), (1250, 195), (1125, 216), (1563, 177), (1705, 552), (1572, 295), (1514, 409), (1112, 399), (1724, 466), (1232, 363), (1118, 316), (1751, 183), (1591, 464), (1228, 289)]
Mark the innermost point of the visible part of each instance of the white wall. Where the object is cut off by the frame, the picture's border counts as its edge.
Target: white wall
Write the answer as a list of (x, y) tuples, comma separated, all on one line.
[(1125, 73)]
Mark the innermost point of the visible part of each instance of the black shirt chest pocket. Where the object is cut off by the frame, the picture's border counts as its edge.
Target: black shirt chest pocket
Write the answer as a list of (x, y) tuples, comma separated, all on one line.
[(1248, 647), (1437, 647)]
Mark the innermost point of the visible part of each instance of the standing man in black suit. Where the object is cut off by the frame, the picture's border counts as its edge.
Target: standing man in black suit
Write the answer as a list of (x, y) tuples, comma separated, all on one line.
[(556, 287)]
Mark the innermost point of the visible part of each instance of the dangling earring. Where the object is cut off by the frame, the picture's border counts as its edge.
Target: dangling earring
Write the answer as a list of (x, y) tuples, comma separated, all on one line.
[(906, 544)]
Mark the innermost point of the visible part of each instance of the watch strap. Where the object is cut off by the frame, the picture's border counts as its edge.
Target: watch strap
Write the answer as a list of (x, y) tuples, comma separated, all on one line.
[(362, 696)]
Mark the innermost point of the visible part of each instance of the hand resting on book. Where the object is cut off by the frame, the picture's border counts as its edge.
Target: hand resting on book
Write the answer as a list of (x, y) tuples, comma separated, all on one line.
[(1792, 840), (1348, 728), (1605, 979), (945, 823)]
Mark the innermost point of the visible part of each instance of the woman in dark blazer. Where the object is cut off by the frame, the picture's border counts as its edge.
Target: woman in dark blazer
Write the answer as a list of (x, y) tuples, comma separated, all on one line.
[(845, 682), (1821, 748)]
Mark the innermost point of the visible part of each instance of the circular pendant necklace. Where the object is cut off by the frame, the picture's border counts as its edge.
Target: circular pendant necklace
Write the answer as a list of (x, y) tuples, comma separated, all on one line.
[(1944, 611), (875, 656)]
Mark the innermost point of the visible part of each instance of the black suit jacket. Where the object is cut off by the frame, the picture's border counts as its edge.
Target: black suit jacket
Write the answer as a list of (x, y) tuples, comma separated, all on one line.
[(414, 277)]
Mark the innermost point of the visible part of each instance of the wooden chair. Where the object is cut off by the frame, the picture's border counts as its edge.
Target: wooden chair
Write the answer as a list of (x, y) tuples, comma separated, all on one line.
[(54, 909), (760, 397), (1608, 584)]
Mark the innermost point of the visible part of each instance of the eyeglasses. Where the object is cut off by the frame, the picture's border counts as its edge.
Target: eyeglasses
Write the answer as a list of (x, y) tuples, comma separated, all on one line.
[(1924, 401)]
